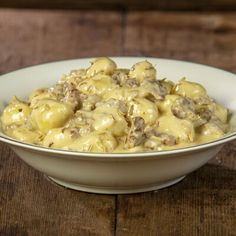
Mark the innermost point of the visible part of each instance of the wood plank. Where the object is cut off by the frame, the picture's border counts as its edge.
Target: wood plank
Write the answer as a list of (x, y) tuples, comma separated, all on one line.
[(204, 203), (226, 157), (30, 204), (32, 37), (124, 4), (204, 38)]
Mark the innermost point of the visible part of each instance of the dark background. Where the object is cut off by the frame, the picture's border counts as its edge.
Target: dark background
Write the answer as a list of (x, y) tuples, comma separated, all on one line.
[(184, 5)]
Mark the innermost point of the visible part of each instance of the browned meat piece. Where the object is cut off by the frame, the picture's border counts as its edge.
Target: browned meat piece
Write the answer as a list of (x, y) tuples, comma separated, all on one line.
[(74, 78), (204, 112), (158, 139), (185, 108), (114, 103), (89, 102), (136, 135), (66, 92), (152, 90), (167, 84), (131, 83), (72, 98), (120, 76), (167, 139)]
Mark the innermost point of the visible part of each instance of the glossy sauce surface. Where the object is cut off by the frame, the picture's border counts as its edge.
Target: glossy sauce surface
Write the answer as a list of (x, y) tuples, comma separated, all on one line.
[(107, 109)]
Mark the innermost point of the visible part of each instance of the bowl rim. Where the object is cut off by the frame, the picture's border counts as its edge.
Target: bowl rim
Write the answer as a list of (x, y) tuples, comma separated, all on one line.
[(226, 138), (199, 147)]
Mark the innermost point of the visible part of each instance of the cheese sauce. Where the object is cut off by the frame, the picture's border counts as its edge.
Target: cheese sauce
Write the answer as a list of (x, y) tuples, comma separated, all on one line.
[(107, 109)]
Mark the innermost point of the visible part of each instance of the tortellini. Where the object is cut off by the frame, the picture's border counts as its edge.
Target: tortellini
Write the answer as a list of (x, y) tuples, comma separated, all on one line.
[(142, 107), (95, 142), (17, 112), (122, 94), (110, 119), (190, 89), (25, 134), (103, 108), (99, 84), (60, 137), (101, 65), (182, 129), (166, 104), (143, 71), (47, 114), (219, 111)]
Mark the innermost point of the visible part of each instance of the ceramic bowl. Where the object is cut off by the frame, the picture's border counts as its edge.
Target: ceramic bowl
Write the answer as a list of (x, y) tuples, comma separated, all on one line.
[(125, 172)]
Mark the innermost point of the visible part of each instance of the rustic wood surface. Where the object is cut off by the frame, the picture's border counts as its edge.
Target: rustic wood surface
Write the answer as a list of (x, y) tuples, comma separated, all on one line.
[(204, 203)]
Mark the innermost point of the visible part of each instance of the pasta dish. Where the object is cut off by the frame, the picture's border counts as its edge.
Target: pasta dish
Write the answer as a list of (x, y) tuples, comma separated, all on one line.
[(108, 109)]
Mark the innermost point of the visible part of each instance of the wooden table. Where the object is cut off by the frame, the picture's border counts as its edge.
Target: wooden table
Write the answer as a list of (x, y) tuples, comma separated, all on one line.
[(204, 203)]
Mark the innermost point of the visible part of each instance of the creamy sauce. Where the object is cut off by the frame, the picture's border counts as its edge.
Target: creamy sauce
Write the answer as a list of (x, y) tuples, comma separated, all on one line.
[(107, 109)]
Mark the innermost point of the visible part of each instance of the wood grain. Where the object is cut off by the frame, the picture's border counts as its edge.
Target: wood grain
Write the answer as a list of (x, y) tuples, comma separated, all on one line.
[(202, 204), (203, 38), (30, 204), (32, 37)]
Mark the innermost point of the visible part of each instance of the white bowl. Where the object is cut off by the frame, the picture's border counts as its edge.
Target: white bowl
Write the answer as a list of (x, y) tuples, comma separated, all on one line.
[(118, 173)]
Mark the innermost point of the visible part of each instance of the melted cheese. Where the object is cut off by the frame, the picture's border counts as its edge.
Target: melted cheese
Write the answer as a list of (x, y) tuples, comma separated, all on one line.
[(142, 71), (190, 89), (182, 129), (16, 112), (144, 108), (48, 114), (114, 108)]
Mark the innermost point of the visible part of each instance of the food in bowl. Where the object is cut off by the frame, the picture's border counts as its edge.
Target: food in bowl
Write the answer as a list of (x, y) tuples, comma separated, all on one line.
[(108, 109), (128, 172)]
